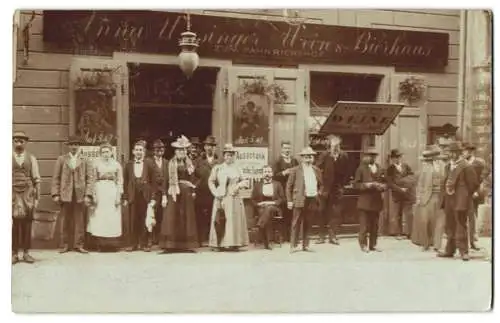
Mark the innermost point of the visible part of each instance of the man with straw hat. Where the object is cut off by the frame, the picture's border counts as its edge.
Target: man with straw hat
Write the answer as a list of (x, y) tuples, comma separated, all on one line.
[(303, 189), (460, 183), (25, 197), (72, 185), (429, 220), (370, 182)]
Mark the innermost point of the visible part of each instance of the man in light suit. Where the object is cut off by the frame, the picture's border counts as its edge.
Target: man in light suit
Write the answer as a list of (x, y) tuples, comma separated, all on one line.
[(303, 189), (459, 184), (72, 185)]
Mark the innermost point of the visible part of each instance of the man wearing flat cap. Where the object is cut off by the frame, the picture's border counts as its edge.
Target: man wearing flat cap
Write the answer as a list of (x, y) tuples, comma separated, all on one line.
[(72, 185), (302, 194), (160, 165), (459, 184), (25, 197), (479, 166), (401, 181), (204, 199), (139, 191), (369, 180)]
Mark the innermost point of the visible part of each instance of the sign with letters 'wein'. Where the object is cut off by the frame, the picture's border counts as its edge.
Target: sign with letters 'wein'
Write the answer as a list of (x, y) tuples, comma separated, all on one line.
[(103, 32), (349, 117)]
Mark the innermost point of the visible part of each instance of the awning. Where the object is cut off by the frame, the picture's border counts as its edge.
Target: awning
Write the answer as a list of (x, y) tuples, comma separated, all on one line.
[(349, 117)]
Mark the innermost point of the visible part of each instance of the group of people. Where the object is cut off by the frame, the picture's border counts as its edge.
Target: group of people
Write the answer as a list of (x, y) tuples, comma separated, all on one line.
[(184, 203)]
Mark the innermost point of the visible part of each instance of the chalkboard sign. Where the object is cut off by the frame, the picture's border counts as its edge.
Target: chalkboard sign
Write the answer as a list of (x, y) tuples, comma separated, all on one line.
[(95, 115)]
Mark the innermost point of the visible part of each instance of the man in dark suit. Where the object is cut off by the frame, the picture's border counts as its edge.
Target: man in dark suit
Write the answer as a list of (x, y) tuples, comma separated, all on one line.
[(267, 197), (458, 187), (138, 193), (72, 184), (302, 194), (333, 165), (204, 199), (160, 165), (401, 181), (479, 166), (369, 181), (282, 169)]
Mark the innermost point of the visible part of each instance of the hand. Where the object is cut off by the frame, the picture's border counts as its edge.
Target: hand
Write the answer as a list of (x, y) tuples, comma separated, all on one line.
[(404, 189), (36, 203), (475, 195), (289, 205), (164, 201), (56, 198), (125, 203), (286, 172)]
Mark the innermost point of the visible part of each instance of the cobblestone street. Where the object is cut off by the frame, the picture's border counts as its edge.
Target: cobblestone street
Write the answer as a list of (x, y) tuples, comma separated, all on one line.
[(401, 278)]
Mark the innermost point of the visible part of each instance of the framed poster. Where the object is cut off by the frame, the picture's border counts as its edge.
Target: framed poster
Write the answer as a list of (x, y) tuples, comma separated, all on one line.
[(251, 114), (251, 161)]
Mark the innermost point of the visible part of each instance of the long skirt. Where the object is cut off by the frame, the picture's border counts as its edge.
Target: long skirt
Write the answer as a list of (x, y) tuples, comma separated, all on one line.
[(428, 223), (105, 220), (236, 229), (178, 227)]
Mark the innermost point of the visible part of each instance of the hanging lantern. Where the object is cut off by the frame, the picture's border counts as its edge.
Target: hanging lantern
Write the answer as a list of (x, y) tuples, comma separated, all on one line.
[(188, 57)]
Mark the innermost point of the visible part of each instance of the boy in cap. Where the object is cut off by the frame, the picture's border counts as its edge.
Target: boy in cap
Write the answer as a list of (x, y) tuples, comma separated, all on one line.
[(72, 189), (303, 189), (25, 196)]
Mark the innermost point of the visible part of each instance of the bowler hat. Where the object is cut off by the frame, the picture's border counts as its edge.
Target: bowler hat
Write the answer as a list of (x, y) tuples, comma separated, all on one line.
[(395, 153), (228, 148), (307, 151), (20, 134), (370, 151), (210, 140), (181, 142), (158, 144), (454, 146), (195, 141), (74, 140)]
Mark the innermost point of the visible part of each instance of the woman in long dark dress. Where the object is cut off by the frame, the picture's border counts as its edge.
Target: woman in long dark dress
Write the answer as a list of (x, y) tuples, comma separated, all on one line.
[(178, 228)]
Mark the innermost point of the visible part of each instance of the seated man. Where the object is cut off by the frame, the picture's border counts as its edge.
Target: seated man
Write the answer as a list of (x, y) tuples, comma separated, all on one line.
[(267, 196)]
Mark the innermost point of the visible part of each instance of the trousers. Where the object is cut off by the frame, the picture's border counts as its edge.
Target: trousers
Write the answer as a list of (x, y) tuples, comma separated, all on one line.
[(21, 234), (368, 228), (301, 222)]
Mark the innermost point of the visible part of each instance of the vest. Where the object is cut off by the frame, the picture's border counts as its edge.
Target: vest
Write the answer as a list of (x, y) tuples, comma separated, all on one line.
[(21, 174)]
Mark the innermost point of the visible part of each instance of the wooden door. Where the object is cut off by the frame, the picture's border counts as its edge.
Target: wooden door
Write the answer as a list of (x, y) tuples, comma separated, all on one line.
[(99, 104)]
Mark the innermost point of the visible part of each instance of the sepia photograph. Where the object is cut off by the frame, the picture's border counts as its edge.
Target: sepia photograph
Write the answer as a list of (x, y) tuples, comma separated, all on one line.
[(201, 161)]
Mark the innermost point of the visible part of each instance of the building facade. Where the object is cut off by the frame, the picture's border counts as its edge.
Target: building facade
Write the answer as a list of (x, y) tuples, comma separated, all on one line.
[(318, 57)]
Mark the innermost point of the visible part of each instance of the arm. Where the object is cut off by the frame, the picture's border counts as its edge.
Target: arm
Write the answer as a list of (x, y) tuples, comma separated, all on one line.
[(359, 181), (471, 179), (153, 187), (90, 177), (119, 178), (212, 179), (55, 189), (35, 176), (255, 195), (390, 180), (409, 171), (280, 195), (289, 186), (125, 181)]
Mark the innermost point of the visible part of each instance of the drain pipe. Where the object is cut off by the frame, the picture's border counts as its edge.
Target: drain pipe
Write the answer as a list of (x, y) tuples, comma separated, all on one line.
[(461, 74)]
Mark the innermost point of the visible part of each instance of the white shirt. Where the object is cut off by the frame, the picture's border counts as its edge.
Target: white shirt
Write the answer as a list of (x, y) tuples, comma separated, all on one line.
[(335, 156), (310, 180), (471, 160), (210, 159), (72, 160), (399, 167), (287, 159), (138, 166), (373, 168), (267, 189)]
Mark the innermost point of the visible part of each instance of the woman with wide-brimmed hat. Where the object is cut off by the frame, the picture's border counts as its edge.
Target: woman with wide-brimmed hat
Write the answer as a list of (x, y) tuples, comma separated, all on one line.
[(178, 228), (229, 230)]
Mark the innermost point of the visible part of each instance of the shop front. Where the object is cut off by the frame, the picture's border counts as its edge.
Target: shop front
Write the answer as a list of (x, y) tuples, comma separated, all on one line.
[(259, 82)]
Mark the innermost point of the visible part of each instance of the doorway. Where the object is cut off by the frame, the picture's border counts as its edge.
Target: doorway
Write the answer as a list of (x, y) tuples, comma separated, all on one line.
[(165, 104)]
